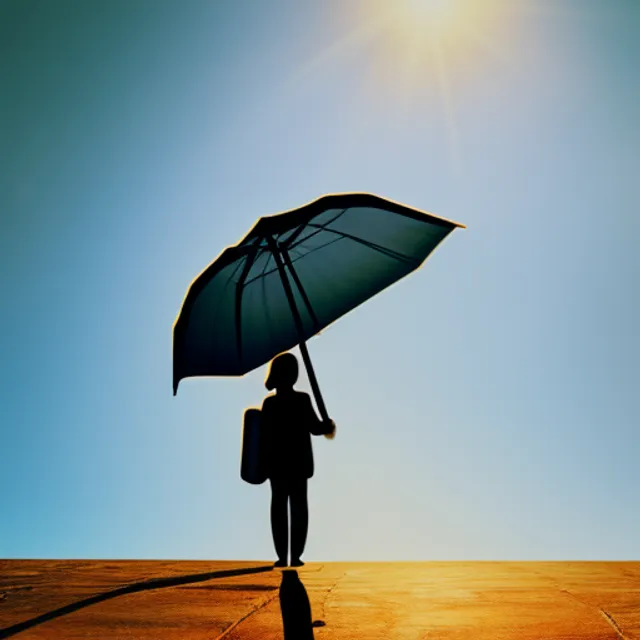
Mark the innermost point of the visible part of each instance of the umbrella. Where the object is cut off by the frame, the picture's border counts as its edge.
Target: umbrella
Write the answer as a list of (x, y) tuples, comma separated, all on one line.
[(292, 275)]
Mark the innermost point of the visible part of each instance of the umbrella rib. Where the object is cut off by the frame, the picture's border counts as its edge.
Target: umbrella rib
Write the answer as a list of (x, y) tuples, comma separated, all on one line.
[(224, 289), (251, 257), (311, 235), (289, 241), (275, 269), (322, 246), (265, 306), (303, 293), (266, 264), (390, 253)]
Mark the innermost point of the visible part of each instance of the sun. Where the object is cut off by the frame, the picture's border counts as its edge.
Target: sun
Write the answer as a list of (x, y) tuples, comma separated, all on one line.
[(417, 55), (434, 15), (456, 26), (410, 41), (410, 57), (415, 45)]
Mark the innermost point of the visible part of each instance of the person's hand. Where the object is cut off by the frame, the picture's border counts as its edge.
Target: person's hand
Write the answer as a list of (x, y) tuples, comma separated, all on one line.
[(331, 434)]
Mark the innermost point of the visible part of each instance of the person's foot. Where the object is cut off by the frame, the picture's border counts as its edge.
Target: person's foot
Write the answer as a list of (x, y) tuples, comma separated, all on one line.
[(280, 563), (296, 562)]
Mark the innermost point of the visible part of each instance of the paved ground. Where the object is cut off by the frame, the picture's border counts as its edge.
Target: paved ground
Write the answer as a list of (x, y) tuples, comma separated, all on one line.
[(248, 600)]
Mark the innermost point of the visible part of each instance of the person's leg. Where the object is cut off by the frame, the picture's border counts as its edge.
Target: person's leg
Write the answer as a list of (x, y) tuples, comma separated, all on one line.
[(299, 520), (279, 520)]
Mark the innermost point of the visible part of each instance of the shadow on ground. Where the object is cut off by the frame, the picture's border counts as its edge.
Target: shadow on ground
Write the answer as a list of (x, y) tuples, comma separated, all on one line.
[(296, 609), (145, 585)]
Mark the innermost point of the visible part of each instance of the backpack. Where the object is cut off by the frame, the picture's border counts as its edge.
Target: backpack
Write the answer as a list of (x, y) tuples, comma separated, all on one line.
[(253, 468)]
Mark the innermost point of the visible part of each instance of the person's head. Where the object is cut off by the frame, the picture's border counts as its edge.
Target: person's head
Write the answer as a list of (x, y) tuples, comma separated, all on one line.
[(283, 372)]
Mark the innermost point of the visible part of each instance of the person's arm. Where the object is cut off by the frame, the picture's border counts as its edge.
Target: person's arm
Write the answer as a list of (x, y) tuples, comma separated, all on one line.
[(316, 426)]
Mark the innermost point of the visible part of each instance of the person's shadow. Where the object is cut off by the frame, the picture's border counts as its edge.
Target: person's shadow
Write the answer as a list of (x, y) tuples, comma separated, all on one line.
[(296, 609)]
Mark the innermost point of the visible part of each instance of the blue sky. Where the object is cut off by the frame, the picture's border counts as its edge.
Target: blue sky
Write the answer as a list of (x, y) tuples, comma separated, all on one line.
[(485, 404)]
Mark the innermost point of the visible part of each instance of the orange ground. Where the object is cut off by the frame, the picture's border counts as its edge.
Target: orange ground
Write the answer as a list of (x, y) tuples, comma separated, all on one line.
[(233, 600)]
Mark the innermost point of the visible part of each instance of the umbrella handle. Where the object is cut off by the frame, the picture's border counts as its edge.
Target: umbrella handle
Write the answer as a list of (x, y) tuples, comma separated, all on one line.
[(315, 387)]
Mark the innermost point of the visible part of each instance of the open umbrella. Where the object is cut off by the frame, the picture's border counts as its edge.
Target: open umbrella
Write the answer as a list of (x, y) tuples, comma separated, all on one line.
[(293, 274)]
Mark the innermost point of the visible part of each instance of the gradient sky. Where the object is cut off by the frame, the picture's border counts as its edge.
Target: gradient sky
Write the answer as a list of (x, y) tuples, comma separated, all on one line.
[(486, 405)]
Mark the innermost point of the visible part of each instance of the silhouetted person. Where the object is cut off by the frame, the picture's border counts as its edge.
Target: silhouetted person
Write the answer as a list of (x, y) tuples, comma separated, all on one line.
[(295, 608), (288, 419)]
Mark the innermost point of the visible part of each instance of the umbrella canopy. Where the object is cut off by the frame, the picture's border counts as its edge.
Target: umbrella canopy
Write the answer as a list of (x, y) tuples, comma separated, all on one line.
[(292, 275)]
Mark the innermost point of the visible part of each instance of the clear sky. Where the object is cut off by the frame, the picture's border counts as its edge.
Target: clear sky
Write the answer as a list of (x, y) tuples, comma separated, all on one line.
[(487, 405)]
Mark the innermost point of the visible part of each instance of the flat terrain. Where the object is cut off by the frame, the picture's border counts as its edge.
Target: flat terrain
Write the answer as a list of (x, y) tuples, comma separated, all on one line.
[(69, 599)]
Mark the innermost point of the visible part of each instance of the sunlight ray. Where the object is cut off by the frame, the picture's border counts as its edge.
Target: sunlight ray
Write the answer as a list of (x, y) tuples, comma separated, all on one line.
[(335, 51), (488, 46), (447, 104)]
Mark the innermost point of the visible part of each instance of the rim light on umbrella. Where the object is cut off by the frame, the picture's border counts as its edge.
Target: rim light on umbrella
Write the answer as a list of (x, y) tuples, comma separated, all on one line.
[(291, 276)]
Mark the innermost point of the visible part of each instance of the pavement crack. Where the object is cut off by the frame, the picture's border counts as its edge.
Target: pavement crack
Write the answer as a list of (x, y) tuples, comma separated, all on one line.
[(607, 616), (329, 590), (614, 625), (575, 597), (255, 609)]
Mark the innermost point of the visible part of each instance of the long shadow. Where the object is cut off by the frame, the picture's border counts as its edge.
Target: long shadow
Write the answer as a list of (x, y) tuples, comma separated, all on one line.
[(296, 609), (145, 585)]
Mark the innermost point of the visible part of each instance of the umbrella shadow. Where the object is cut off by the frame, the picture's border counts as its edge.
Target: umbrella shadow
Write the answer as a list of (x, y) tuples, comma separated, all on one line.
[(145, 585), (296, 608)]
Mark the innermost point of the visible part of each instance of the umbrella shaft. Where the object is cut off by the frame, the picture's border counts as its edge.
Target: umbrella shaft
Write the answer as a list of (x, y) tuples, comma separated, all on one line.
[(313, 381), (298, 322)]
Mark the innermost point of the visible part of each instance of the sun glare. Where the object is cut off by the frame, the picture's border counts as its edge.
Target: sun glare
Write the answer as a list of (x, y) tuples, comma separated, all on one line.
[(412, 54), (425, 50), (419, 42), (434, 14), (452, 24)]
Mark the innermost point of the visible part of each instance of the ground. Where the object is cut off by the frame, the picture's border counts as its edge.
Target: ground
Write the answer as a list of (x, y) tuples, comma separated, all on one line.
[(249, 600)]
